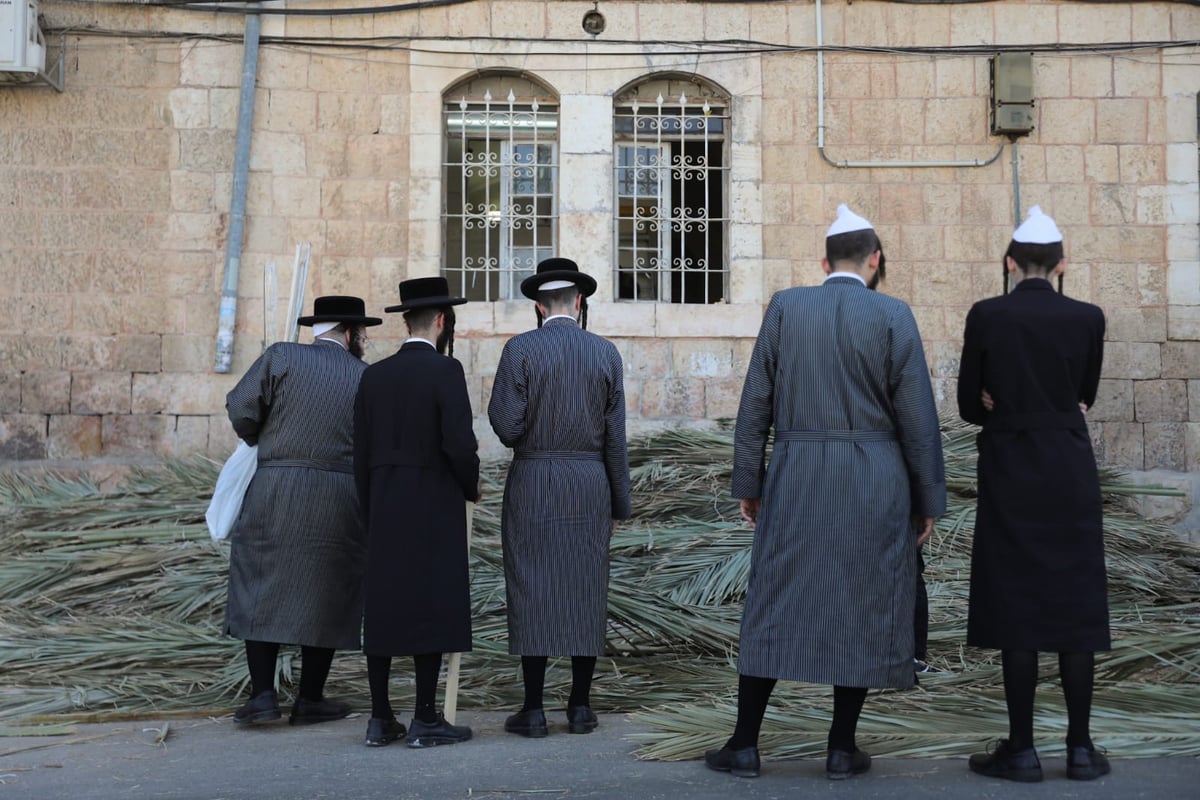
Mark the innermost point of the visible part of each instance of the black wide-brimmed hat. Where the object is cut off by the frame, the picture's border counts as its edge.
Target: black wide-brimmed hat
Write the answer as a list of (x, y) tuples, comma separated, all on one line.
[(557, 269), (339, 308), (424, 293)]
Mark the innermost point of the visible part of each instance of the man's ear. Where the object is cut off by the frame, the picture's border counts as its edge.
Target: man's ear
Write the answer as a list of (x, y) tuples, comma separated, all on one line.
[(1060, 268), (579, 301), (1010, 264), (826, 266)]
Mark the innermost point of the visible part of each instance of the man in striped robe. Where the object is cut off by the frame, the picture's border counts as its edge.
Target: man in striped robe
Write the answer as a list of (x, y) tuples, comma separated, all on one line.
[(559, 401), (854, 484), (298, 548)]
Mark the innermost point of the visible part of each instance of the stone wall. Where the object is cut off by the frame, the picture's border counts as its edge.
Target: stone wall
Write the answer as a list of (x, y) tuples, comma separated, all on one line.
[(114, 196)]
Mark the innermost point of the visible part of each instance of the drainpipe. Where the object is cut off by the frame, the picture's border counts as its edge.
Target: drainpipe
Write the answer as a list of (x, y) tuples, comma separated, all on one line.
[(237, 203), (867, 164)]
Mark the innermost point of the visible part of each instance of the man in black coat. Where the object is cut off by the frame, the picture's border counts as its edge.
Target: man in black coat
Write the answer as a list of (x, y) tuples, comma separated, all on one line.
[(1030, 368), (415, 465)]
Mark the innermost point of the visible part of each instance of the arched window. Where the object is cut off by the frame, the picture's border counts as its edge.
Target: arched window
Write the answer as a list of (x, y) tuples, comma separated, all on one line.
[(671, 181), (501, 184)]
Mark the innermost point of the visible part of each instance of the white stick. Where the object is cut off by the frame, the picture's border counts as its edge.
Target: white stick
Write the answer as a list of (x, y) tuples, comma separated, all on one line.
[(270, 302), (454, 663)]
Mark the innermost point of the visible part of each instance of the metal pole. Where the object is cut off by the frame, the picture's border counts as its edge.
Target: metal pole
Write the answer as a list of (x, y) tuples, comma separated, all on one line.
[(237, 203)]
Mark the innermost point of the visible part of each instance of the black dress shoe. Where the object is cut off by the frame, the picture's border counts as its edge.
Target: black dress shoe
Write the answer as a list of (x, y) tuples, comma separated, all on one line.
[(580, 719), (263, 707), (1086, 764), (531, 723), (840, 764), (743, 763), (1005, 762), (431, 734), (383, 731), (311, 712)]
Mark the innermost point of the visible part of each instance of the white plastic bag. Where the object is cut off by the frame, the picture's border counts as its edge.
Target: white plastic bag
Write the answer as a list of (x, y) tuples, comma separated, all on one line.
[(231, 486)]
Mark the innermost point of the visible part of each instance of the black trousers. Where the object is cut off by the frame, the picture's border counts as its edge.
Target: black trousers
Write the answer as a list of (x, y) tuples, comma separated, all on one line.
[(921, 613)]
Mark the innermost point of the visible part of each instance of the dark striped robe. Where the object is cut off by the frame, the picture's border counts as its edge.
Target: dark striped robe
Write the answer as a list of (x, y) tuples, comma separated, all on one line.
[(298, 548), (559, 401), (839, 372)]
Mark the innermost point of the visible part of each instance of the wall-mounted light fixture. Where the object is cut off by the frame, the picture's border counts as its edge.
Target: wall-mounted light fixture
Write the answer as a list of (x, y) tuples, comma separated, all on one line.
[(594, 22)]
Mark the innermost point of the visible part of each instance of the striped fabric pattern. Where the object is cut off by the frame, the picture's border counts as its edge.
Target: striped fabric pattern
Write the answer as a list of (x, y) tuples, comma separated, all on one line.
[(839, 373), (559, 401), (297, 549)]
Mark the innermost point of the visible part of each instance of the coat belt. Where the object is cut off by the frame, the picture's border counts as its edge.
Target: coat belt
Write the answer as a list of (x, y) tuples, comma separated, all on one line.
[(1037, 421), (573, 455), (308, 463), (835, 436)]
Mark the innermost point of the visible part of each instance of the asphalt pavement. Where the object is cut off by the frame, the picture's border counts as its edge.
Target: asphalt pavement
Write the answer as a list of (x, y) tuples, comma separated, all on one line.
[(212, 759)]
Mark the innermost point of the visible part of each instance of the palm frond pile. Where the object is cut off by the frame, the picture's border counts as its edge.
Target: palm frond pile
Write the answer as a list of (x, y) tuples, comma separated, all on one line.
[(111, 603)]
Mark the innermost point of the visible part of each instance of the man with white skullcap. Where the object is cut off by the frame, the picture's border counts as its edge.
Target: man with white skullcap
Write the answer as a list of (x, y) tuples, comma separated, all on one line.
[(839, 372), (298, 548), (1030, 367)]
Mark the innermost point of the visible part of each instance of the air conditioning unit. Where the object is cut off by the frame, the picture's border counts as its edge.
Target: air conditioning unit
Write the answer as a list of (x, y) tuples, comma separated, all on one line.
[(23, 47)]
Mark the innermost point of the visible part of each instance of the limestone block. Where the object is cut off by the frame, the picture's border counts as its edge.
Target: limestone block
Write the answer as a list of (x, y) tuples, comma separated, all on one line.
[(43, 392), (946, 284), (1115, 284), (22, 437), (1183, 283), (278, 153), (206, 63), (474, 319), (349, 112), (191, 191), (1183, 322), (336, 74), (1141, 163), (487, 354), (10, 392), (290, 110), (945, 395), (1018, 25), (354, 198), (177, 393), (1101, 164), (222, 440), (591, 132), (1066, 121), (343, 237), (1192, 446), (702, 358), (1160, 401), (73, 437), (953, 120), (55, 272), (1165, 445), (206, 150), (1136, 324), (644, 359), (1122, 444), (666, 21), (673, 397), (931, 321), (145, 435), (183, 353), (610, 319), (944, 359), (223, 108), (1181, 360), (1152, 284), (769, 22), (374, 154), (1114, 402), (188, 107), (100, 393), (722, 397), (282, 68), (1194, 400), (1150, 23), (686, 320), (191, 435)]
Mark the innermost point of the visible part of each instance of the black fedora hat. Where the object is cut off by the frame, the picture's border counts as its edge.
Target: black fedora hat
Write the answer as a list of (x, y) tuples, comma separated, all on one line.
[(339, 308), (424, 293), (557, 269)]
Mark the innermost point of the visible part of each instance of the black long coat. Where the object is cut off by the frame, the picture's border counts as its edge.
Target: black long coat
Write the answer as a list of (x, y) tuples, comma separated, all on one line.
[(1037, 566), (415, 466)]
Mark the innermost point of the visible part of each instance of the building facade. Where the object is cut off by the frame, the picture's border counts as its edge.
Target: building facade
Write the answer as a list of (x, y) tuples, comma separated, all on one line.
[(690, 155)]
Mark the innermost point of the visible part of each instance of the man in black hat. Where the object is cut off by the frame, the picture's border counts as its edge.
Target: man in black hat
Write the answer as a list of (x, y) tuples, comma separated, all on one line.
[(296, 560), (559, 401), (415, 465)]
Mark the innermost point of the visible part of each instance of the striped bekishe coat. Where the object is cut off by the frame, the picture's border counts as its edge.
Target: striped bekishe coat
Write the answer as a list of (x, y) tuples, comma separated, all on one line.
[(839, 373), (298, 548), (559, 401)]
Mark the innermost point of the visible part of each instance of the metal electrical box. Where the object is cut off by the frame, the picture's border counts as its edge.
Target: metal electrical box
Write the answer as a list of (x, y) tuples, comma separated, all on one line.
[(1012, 93), (22, 46)]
